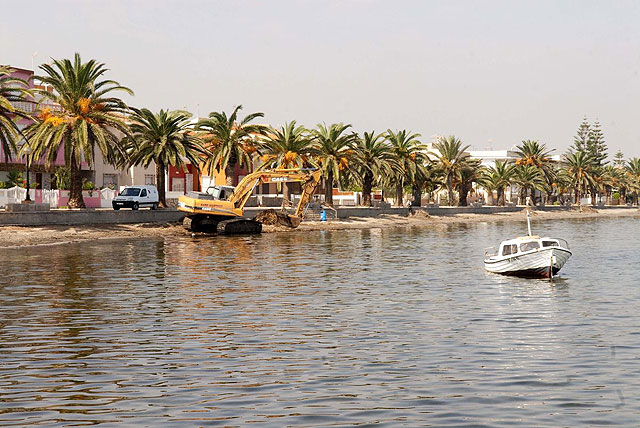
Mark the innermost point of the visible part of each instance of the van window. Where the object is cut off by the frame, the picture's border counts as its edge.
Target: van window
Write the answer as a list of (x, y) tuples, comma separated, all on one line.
[(143, 194), (528, 246), (509, 249), (130, 191)]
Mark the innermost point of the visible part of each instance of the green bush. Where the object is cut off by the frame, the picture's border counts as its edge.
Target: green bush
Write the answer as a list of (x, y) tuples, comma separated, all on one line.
[(14, 178), (616, 195), (62, 178)]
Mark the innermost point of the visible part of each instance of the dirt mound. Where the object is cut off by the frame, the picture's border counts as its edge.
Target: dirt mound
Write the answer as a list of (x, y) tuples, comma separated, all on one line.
[(586, 209), (268, 217), (419, 214)]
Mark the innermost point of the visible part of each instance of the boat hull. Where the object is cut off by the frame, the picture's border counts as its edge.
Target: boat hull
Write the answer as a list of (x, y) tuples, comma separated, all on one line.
[(536, 264)]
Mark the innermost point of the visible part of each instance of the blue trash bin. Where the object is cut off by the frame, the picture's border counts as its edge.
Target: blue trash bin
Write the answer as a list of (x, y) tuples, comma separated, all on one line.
[(323, 215)]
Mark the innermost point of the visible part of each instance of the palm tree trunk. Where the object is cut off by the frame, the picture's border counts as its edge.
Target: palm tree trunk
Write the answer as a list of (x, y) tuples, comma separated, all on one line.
[(162, 196), (450, 188), (366, 189), (328, 188), (75, 191), (228, 174), (501, 196), (417, 195), (399, 192)]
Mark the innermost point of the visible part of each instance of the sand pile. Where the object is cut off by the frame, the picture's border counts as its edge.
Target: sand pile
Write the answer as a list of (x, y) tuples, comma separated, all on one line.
[(268, 217)]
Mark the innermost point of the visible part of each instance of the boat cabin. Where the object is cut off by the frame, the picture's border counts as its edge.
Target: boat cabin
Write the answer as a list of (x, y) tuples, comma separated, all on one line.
[(527, 244)]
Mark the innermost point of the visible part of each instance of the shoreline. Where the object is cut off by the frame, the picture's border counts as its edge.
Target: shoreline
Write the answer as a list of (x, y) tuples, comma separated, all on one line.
[(15, 237)]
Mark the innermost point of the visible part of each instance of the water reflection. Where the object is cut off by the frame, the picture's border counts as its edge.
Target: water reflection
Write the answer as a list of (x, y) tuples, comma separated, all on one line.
[(381, 326)]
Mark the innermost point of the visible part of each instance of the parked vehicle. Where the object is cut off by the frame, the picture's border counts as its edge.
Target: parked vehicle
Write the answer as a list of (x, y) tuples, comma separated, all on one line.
[(135, 197)]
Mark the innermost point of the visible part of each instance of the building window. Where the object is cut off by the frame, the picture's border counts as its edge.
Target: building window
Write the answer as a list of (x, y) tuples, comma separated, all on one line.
[(110, 180), (149, 179)]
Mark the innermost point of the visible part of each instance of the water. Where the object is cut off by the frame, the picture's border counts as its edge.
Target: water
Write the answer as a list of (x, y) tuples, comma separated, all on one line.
[(372, 327)]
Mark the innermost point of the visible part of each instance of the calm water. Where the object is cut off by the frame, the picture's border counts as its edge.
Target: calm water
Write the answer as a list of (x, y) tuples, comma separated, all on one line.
[(374, 327)]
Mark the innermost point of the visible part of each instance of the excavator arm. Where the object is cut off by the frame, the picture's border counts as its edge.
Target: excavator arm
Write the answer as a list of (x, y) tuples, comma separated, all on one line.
[(309, 178)]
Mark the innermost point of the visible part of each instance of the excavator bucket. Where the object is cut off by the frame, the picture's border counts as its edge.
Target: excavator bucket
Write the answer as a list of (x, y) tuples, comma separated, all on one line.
[(274, 217), (288, 220)]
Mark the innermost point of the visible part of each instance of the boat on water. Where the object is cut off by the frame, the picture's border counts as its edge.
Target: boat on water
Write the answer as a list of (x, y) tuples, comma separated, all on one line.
[(528, 256)]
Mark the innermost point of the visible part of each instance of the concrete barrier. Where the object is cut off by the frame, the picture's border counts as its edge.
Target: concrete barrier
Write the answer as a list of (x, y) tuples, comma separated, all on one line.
[(86, 217)]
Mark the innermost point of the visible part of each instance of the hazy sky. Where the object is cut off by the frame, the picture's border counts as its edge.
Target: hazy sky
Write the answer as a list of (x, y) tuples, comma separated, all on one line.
[(491, 72)]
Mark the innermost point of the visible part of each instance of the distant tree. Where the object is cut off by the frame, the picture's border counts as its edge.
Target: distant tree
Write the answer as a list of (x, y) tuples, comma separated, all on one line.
[(408, 152), (532, 153), (471, 172), (165, 138), (332, 148), (528, 177), (596, 146), (372, 159), (579, 169), (230, 140), (451, 157), (633, 174), (618, 159), (581, 140), (498, 177)]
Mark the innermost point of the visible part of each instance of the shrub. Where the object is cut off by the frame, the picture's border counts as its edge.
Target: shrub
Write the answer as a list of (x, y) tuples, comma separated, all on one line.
[(616, 195), (62, 178)]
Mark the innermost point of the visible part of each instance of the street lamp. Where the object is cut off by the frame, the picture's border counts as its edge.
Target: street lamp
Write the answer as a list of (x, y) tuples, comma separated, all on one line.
[(27, 151)]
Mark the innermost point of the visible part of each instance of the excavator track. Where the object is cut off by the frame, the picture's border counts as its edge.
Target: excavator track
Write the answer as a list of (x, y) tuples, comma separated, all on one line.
[(200, 223), (239, 227)]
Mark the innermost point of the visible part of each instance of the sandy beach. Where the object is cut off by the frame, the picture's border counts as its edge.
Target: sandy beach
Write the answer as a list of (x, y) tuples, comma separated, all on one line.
[(17, 236)]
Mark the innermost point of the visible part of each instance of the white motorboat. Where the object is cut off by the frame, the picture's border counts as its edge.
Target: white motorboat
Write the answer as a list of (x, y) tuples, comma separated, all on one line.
[(528, 256)]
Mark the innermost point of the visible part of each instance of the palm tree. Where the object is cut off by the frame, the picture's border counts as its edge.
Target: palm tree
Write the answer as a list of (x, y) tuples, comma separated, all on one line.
[(164, 138), (633, 172), (290, 146), (532, 153), (451, 158), (408, 152), (498, 177), (372, 159), (88, 117), (528, 177), (472, 172), (231, 140), (579, 167), (332, 148), (611, 178), (12, 90)]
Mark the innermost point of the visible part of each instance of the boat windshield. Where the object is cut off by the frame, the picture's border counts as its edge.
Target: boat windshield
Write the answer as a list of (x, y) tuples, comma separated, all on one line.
[(509, 249), (550, 243), (528, 246)]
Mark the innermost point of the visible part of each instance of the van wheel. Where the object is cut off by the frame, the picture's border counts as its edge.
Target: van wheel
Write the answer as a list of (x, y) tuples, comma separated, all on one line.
[(116, 208), (154, 207), (135, 206)]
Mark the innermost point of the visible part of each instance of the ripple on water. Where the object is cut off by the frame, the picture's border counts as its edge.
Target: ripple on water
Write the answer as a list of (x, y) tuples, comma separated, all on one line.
[(372, 327)]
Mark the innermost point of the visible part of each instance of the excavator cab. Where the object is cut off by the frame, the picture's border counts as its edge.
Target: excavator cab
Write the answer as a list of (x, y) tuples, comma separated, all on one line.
[(220, 193)]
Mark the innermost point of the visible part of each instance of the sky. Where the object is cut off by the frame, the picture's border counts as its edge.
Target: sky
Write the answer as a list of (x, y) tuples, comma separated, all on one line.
[(492, 73)]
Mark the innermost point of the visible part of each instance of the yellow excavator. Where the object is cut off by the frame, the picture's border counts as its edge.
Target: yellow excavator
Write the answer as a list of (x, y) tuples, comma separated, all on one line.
[(220, 208)]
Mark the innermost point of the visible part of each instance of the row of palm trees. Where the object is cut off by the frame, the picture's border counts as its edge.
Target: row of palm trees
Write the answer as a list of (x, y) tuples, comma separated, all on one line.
[(89, 117)]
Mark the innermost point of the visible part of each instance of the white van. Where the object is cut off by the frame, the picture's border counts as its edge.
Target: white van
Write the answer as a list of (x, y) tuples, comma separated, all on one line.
[(135, 197)]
